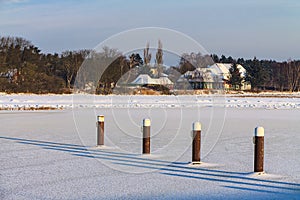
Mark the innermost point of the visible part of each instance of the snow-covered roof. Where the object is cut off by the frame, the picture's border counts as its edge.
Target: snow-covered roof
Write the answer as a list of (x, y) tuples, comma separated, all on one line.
[(213, 73), (146, 79), (164, 81), (222, 69), (201, 74)]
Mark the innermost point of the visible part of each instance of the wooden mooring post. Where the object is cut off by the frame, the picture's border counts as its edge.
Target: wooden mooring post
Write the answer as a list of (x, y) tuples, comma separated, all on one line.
[(146, 136), (196, 149), (258, 141), (100, 130)]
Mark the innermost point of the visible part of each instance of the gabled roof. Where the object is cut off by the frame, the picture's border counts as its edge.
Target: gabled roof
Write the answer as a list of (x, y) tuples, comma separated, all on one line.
[(200, 74), (222, 69), (214, 73), (143, 79)]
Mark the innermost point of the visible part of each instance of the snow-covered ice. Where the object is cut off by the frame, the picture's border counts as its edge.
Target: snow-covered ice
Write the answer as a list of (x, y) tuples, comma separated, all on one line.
[(26, 101), (52, 154)]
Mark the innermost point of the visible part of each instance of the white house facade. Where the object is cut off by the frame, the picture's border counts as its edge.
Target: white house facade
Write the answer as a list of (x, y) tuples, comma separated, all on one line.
[(215, 76)]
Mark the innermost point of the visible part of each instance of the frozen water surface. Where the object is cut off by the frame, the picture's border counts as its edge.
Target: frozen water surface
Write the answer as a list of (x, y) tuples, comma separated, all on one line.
[(52, 154)]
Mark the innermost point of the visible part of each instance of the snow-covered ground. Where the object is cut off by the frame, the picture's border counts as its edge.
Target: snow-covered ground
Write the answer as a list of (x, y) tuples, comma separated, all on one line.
[(52, 154), (27, 101)]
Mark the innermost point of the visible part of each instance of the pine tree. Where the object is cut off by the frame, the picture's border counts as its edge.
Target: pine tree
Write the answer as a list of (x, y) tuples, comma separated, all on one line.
[(256, 74), (235, 79)]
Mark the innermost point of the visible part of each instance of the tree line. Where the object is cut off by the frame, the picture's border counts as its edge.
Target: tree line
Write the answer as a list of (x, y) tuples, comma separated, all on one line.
[(24, 68), (266, 74)]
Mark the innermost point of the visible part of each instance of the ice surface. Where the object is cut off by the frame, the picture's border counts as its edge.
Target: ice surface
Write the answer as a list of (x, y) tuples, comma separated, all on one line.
[(52, 154), (27, 101)]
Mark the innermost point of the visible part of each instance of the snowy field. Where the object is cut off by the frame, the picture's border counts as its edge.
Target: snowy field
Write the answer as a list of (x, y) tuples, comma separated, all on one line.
[(25, 102), (51, 154)]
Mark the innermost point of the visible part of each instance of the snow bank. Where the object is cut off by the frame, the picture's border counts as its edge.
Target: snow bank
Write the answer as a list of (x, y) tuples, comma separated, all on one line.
[(37, 102)]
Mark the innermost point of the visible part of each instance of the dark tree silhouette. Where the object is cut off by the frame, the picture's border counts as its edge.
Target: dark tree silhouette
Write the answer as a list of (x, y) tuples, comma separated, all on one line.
[(159, 59), (135, 60), (147, 55), (235, 79)]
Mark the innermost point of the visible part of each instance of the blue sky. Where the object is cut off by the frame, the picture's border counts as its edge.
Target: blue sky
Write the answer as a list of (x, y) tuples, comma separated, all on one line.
[(268, 29)]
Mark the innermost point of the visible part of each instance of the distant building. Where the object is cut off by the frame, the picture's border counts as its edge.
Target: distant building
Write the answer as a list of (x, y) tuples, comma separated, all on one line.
[(145, 79), (214, 77), (201, 78)]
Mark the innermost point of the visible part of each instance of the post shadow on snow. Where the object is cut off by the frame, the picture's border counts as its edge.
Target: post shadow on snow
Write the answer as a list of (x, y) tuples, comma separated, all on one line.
[(81, 150), (178, 169), (39, 141), (255, 190)]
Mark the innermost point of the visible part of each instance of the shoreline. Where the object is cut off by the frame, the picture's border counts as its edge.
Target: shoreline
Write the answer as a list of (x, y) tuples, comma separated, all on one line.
[(28, 102), (178, 93)]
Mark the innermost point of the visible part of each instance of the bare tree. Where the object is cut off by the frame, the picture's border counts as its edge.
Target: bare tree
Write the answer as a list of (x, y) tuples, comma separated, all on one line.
[(147, 55), (71, 62), (159, 58), (293, 75)]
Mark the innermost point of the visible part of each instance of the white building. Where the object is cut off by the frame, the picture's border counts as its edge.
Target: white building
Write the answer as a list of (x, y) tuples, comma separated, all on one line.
[(145, 79), (215, 76)]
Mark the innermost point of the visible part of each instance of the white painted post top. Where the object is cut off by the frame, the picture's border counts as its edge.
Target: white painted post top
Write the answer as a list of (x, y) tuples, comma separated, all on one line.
[(146, 122), (259, 132), (196, 126), (101, 118)]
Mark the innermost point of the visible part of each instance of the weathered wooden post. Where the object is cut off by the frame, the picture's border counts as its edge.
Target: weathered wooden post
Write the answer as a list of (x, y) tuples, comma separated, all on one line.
[(258, 141), (100, 130), (146, 136), (196, 143)]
